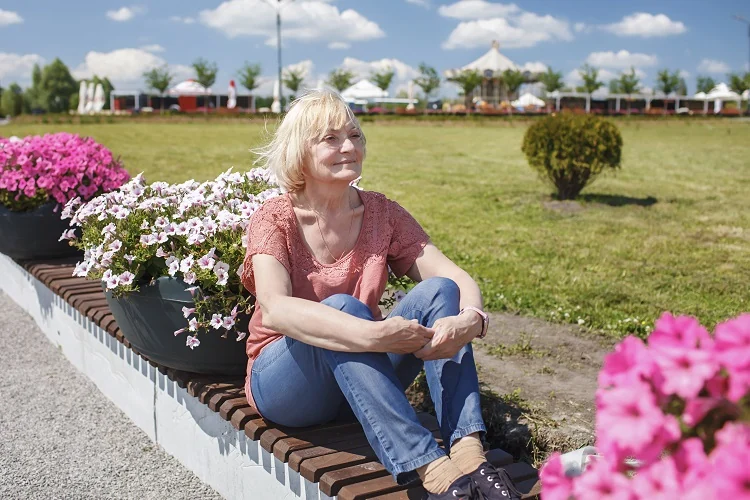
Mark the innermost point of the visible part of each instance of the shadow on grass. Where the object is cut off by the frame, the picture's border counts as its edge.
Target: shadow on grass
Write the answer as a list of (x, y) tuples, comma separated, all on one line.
[(614, 200)]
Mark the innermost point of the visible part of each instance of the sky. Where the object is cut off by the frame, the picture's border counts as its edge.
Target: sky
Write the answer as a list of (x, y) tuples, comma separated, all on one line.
[(121, 40)]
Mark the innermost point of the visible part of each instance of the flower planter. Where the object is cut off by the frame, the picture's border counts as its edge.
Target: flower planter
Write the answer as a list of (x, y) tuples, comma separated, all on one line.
[(34, 234), (149, 317)]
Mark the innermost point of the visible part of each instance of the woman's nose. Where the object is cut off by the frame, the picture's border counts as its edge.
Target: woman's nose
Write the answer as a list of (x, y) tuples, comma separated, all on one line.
[(347, 145)]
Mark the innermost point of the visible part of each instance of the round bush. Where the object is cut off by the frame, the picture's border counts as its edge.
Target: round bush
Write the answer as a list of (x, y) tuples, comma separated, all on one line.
[(571, 150)]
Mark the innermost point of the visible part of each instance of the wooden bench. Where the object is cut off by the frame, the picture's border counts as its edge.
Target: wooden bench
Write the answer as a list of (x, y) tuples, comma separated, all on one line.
[(336, 456)]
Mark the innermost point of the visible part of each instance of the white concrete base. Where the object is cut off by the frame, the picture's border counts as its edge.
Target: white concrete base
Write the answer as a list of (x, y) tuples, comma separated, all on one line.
[(220, 455)]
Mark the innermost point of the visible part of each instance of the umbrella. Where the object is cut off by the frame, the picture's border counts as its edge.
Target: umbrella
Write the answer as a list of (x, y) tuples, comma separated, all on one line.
[(89, 98), (82, 98), (232, 95), (527, 100), (98, 98)]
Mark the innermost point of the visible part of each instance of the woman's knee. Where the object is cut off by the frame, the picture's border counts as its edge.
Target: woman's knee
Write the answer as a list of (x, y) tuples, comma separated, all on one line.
[(439, 288), (349, 305)]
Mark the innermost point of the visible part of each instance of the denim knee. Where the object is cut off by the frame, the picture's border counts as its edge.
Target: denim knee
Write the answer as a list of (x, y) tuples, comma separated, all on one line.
[(348, 304), (439, 288)]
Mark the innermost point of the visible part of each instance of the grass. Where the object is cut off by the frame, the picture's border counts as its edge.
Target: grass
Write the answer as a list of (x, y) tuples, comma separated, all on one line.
[(669, 232)]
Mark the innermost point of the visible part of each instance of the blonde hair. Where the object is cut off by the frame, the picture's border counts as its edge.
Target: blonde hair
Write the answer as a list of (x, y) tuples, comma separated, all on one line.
[(309, 118)]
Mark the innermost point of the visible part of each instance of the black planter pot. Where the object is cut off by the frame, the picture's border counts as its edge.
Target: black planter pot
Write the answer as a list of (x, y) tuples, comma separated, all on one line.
[(148, 319), (33, 234)]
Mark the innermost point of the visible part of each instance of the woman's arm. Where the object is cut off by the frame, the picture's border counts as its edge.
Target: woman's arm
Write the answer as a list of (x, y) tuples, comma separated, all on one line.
[(322, 326), (453, 332)]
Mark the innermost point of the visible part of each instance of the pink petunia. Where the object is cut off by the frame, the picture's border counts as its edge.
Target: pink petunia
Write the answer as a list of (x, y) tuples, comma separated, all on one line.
[(555, 484), (659, 481), (631, 362), (216, 321), (678, 332), (192, 342), (731, 475), (732, 345), (227, 322), (685, 370), (600, 482), (187, 311)]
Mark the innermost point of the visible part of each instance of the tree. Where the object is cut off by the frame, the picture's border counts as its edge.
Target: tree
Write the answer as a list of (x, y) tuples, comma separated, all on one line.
[(552, 80), (704, 84), (513, 79), (628, 83), (468, 80), (35, 98), (682, 87), (739, 83), (293, 79), (11, 101), (58, 84), (205, 74), (428, 80), (614, 86), (340, 79), (383, 78), (667, 81), (590, 77), (159, 79)]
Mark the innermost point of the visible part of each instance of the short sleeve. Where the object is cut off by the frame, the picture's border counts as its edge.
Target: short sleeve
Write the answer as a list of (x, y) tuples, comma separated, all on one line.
[(264, 236), (407, 239)]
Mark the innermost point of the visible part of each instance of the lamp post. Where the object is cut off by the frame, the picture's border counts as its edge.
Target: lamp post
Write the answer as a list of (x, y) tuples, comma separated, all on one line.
[(277, 4), (743, 20)]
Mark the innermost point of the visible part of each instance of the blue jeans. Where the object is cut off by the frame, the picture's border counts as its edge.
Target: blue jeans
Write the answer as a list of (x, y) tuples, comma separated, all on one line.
[(297, 385)]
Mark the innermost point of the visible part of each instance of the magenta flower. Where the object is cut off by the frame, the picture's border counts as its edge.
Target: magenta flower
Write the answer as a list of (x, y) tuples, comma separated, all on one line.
[(601, 482), (685, 370), (555, 484), (732, 349), (678, 332), (62, 165), (731, 474), (660, 481), (631, 362)]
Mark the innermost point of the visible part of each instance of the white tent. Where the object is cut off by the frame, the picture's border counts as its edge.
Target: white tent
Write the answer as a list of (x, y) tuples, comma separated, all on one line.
[(189, 87), (363, 89), (746, 95), (723, 93), (493, 61), (89, 98), (527, 100), (700, 96), (98, 98)]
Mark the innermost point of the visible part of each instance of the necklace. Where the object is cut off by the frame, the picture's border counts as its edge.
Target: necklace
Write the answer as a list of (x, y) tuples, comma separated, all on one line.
[(317, 223)]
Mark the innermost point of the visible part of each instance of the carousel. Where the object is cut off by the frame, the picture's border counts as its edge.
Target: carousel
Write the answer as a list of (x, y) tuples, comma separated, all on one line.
[(491, 66)]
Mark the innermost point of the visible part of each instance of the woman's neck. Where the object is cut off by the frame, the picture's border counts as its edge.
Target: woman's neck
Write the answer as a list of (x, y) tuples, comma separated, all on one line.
[(328, 200)]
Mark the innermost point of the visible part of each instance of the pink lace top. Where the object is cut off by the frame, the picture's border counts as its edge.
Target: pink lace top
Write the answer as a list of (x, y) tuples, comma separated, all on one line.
[(389, 237)]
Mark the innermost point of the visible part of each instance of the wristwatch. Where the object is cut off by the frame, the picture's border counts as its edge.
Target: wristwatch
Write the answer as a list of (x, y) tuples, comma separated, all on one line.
[(485, 319)]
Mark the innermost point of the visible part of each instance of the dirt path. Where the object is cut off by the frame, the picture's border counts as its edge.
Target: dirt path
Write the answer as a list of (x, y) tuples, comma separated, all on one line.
[(549, 372)]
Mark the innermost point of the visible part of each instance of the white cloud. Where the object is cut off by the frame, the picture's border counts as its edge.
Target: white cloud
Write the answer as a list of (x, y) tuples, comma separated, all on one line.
[(124, 14), (125, 67), (579, 27), (620, 60), (17, 66), (183, 20), (153, 48), (362, 69), (534, 67), (684, 74), (8, 17), (306, 68), (308, 21), (516, 30), (646, 25), (421, 3), (339, 45), (713, 66), (477, 9)]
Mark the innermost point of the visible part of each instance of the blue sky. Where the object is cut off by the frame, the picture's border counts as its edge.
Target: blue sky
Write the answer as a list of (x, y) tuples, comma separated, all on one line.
[(120, 39)]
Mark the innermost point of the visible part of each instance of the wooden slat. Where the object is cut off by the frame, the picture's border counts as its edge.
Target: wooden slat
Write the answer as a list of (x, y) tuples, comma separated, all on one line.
[(370, 488), (242, 416), (318, 437), (313, 468), (331, 482), (228, 407)]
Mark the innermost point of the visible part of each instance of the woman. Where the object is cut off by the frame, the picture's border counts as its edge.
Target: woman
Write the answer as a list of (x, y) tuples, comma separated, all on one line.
[(317, 262)]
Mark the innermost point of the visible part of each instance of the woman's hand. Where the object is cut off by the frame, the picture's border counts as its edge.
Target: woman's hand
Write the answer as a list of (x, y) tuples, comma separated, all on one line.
[(451, 334), (401, 336)]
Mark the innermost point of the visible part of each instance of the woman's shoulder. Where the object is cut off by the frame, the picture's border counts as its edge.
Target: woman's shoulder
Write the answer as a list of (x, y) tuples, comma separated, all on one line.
[(272, 211)]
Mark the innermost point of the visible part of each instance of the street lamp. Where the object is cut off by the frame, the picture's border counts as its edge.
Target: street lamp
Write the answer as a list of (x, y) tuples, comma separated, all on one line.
[(743, 20), (277, 4)]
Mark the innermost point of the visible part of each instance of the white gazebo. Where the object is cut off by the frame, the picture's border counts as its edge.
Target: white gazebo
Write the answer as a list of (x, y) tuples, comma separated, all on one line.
[(721, 93), (491, 66), (527, 100)]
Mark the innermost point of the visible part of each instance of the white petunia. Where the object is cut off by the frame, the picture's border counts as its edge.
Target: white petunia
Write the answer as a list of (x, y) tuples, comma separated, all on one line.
[(192, 342), (126, 278), (187, 311), (107, 275), (240, 336), (228, 322), (173, 268), (68, 235), (162, 237), (216, 321), (112, 282), (115, 245), (206, 262), (186, 264), (189, 277), (193, 325)]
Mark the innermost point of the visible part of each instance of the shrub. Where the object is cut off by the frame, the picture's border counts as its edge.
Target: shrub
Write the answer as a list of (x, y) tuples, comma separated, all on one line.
[(55, 167), (571, 150)]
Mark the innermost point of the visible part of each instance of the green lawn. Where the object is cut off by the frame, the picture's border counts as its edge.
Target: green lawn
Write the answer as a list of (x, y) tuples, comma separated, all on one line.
[(670, 231)]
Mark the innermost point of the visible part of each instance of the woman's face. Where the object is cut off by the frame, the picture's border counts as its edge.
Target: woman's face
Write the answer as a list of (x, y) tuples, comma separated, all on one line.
[(337, 156)]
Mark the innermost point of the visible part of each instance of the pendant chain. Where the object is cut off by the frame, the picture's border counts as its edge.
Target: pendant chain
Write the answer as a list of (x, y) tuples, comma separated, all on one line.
[(317, 223)]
